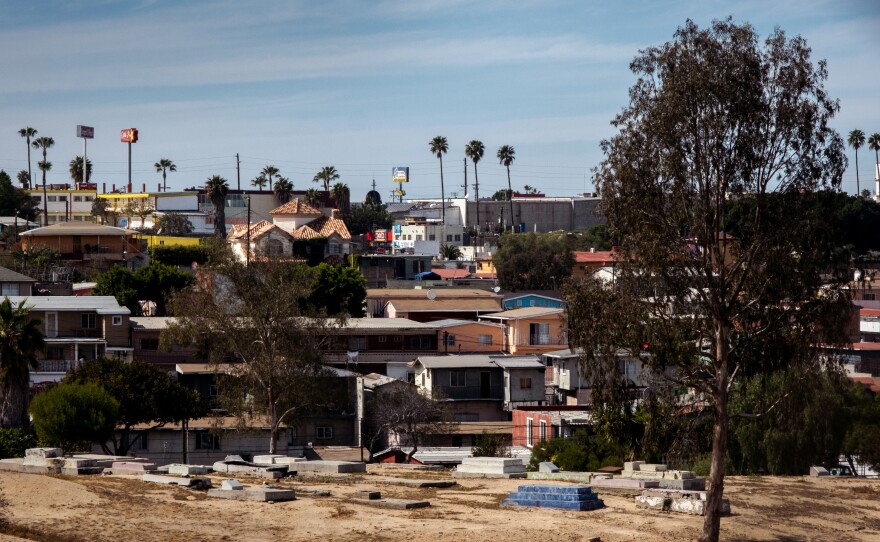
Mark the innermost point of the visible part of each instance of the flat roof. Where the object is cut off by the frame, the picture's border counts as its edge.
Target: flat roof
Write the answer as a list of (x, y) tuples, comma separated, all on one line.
[(525, 312), (385, 324), (101, 304), (422, 293), (446, 305), (150, 322), (453, 322), (463, 361)]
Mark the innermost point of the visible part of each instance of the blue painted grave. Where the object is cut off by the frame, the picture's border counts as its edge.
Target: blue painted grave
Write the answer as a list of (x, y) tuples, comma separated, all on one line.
[(564, 497)]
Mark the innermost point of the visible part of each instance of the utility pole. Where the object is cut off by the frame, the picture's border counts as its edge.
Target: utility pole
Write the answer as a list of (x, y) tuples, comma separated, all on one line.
[(238, 176), (247, 249)]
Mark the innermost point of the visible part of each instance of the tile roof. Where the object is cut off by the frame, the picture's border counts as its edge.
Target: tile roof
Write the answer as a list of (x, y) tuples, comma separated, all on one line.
[(296, 206), (446, 274), (453, 322), (8, 275), (322, 227), (257, 230), (600, 256)]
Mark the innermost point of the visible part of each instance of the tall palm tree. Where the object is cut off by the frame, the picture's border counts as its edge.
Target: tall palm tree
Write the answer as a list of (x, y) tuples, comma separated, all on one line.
[(260, 181), (20, 339), (874, 145), (216, 188), (474, 150), (268, 172), (44, 143), (283, 190), (506, 156), (312, 197), (327, 175), (341, 197), (24, 178), (856, 139), (76, 169), (164, 165), (438, 147), (27, 134)]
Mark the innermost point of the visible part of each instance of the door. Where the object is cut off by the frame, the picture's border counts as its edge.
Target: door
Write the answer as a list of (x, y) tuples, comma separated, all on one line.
[(51, 324), (485, 389)]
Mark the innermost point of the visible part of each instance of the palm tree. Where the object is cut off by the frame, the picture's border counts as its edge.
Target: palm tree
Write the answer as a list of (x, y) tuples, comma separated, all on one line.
[(27, 134), (341, 197), (164, 165), (76, 169), (20, 339), (283, 189), (856, 139), (260, 181), (506, 156), (450, 252), (327, 175), (438, 147), (874, 145), (474, 150), (216, 188), (24, 178), (44, 143), (312, 197), (268, 172)]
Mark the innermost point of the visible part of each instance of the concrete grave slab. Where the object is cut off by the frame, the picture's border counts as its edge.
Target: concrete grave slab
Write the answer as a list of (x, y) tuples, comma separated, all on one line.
[(330, 467), (410, 482), (312, 492), (567, 476), (819, 471), (395, 504), (194, 483), (231, 485), (271, 472), (43, 453), (129, 467), (188, 470), (370, 494), (254, 494), (547, 466)]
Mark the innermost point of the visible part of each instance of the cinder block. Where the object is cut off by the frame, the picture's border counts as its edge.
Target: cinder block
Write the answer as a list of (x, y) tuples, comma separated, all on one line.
[(632, 465), (819, 471)]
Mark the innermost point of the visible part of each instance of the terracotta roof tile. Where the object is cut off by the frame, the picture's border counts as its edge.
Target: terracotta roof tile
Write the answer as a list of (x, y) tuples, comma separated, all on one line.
[(322, 227), (240, 230), (296, 207)]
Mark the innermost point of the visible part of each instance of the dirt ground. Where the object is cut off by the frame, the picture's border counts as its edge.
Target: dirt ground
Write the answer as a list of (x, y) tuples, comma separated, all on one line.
[(110, 508)]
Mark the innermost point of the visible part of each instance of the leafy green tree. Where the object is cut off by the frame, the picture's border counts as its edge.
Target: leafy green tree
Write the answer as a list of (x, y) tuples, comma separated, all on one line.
[(259, 316), (530, 189), (856, 139), (313, 197), (409, 415), (45, 165), (474, 150), (73, 416), (155, 283), (173, 224), (450, 252), (23, 179), (506, 155), (439, 146), (15, 200), (367, 217), (339, 290), (20, 340), (874, 145), (596, 237), (341, 198), (533, 261), (27, 134), (490, 445), (76, 169), (714, 309), (582, 452), (100, 209), (326, 175), (37, 262), (216, 188), (502, 195), (179, 255), (148, 398), (15, 442), (164, 165), (119, 282)]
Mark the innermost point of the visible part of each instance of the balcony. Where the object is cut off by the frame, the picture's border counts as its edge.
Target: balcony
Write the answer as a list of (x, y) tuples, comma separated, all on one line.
[(53, 366), (460, 393)]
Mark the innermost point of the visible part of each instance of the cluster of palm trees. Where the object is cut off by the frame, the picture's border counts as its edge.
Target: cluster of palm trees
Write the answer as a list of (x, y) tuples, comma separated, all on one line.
[(473, 150), (45, 165), (856, 139), (282, 187)]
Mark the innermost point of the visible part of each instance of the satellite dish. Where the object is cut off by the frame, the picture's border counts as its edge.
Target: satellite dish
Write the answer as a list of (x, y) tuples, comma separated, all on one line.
[(496, 289), (432, 295)]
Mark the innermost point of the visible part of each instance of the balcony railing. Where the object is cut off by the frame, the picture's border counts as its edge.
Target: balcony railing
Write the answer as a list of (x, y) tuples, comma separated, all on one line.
[(53, 366), (473, 392)]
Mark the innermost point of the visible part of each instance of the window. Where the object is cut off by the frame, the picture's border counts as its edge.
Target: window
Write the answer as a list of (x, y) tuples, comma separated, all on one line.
[(486, 340), (9, 288), (150, 344), (88, 198), (77, 198), (448, 237), (51, 198), (117, 320), (213, 390), (543, 430), (525, 383), (421, 343), (457, 378), (418, 237), (37, 199), (411, 377), (62, 198), (398, 338), (324, 432), (530, 438), (432, 237), (335, 248), (449, 340), (89, 320), (357, 343), (142, 442), (458, 237), (539, 333), (207, 441), (383, 339), (291, 435), (869, 297)]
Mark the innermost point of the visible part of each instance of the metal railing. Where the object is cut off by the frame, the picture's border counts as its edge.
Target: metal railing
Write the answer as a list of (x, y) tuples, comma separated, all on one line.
[(53, 366), (472, 392)]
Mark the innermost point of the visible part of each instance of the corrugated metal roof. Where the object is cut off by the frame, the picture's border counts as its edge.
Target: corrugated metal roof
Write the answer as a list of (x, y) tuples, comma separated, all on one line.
[(446, 305), (77, 228), (386, 324), (525, 362), (456, 362), (453, 322), (101, 304), (525, 312), (421, 293)]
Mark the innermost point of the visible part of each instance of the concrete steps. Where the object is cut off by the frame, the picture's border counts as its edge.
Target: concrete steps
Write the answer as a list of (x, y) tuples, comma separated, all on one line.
[(564, 497)]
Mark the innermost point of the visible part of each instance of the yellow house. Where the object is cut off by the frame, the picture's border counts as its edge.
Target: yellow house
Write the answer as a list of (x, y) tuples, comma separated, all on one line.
[(466, 336), (485, 267), (531, 330)]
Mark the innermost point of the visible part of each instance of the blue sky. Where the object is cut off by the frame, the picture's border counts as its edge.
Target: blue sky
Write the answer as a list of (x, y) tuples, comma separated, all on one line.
[(364, 86)]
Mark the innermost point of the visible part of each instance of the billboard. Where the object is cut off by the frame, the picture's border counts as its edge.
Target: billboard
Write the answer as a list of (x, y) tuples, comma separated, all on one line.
[(85, 132), (128, 135), (400, 174)]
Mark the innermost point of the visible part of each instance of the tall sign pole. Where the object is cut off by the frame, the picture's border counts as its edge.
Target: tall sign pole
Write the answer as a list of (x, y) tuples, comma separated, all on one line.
[(129, 135), (86, 133)]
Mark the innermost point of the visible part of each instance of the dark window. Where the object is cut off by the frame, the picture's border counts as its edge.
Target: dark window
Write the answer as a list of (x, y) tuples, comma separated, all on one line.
[(89, 320), (291, 435), (383, 339), (324, 432), (525, 383), (207, 441), (149, 344), (457, 378), (398, 338), (449, 340)]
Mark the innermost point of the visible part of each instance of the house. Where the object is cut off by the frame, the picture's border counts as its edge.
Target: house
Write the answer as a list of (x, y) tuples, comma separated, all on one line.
[(428, 305), (76, 329), (378, 269), (145, 333), (66, 202), (569, 386), (532, 330), (481, 387), (587, 263), (15, 284), (535, 424), (141, 209), (467, 336), (545, 299), (292, 222), (485, 267), (87, 242)]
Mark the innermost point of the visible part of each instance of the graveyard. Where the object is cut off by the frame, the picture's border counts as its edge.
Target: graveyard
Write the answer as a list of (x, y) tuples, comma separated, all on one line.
[(237, 500)]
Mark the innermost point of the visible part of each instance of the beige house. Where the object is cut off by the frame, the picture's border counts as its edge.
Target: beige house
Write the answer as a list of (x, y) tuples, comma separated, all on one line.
[(430, 305), (466, 336), (531, 330)]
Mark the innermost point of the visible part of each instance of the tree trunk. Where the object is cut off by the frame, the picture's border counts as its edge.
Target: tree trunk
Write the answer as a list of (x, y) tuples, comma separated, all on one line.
[(13, 406), (510, 198), (712, 519), (442, 201)]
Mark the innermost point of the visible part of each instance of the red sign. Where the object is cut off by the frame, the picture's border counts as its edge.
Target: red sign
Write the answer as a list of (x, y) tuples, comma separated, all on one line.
[(129, 135)]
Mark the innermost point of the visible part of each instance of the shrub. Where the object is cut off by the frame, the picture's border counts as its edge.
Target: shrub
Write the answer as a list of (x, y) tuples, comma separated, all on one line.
[(582, 452), (73, 416), (13, 442), (490, 445)]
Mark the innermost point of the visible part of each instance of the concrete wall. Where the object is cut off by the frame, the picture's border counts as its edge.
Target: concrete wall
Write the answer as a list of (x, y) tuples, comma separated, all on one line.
[(539, 214), (467, 338)]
